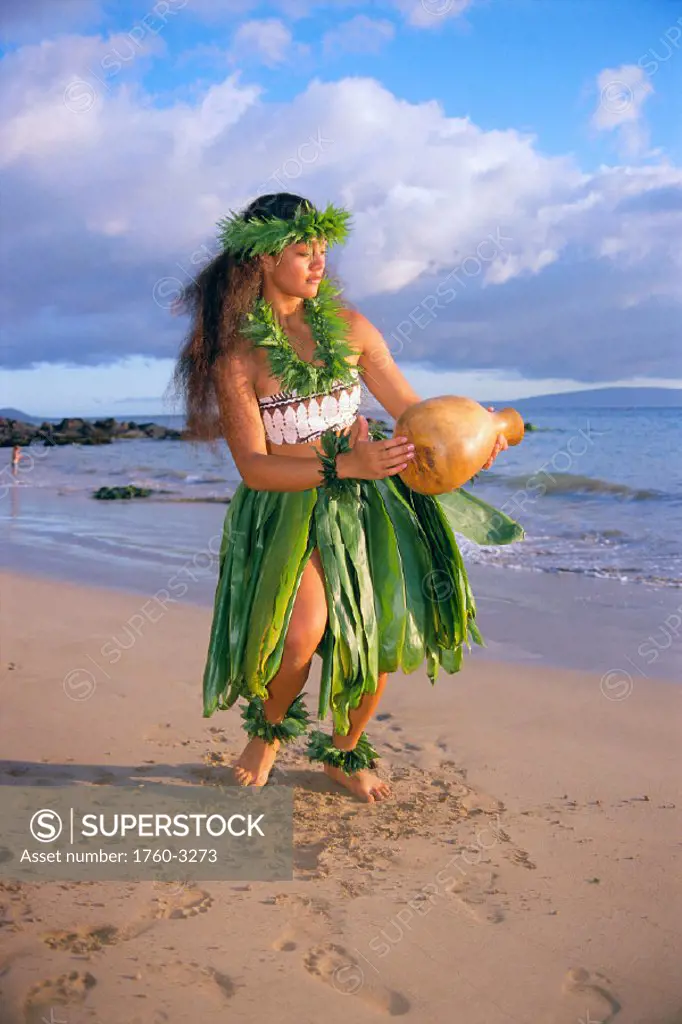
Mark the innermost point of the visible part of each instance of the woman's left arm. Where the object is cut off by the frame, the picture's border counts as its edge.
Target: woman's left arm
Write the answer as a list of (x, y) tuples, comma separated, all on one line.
[(383, 378), (380, 373)]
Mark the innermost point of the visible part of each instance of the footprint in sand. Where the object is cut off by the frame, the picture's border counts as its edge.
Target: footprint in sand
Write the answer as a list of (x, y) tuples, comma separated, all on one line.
[(186, 903), (586, 999), (473, 892), (476, 802), (470, 801), (304, 907), (333, 965), (286, 943), (521, 857), (82, 940), (192, 975), (66, 990)]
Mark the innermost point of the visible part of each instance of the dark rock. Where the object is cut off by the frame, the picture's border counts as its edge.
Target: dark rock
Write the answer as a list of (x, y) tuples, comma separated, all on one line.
[(155, 431), (113, 493), (159, 433), (70, 426), (16, 432)]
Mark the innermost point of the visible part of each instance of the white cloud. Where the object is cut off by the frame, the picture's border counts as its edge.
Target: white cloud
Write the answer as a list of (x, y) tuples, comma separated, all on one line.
[(622, 93), (557, 272), (430, 14), (358, 35), (267, 41), (60, 102)]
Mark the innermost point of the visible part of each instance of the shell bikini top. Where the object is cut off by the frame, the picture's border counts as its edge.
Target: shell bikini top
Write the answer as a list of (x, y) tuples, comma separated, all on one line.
[(289, 419)]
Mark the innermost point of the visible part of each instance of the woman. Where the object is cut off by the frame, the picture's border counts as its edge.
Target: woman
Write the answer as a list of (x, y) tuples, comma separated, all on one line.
[(325, 550)]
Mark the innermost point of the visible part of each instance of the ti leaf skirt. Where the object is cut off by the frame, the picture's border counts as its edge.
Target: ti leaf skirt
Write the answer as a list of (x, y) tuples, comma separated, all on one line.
[(396, 586)]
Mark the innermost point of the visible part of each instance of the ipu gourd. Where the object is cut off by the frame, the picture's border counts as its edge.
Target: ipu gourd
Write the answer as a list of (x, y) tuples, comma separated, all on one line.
[(453, 438)]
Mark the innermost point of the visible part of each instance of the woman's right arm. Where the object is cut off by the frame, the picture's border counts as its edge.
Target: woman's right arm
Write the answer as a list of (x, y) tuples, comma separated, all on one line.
[(245, 435)]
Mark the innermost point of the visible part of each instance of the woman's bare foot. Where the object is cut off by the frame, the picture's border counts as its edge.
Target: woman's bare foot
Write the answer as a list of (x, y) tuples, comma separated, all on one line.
[(364, 784), (253, 765)]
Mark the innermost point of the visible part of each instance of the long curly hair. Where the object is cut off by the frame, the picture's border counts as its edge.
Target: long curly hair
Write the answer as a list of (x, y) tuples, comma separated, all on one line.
[(216, 300)]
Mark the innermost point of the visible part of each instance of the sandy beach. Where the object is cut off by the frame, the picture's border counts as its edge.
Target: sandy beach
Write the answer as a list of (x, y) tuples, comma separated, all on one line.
[(525, 870)]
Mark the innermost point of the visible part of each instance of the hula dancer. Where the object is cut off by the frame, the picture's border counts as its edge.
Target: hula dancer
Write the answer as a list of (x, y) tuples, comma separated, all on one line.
[(325, 550)]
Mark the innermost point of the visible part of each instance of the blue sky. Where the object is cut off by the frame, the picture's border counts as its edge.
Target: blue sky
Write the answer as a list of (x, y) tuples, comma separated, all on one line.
[(550, 126)]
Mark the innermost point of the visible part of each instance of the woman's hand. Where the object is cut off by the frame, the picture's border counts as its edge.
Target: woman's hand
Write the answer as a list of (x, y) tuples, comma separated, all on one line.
[(374, 460), (501, 444)]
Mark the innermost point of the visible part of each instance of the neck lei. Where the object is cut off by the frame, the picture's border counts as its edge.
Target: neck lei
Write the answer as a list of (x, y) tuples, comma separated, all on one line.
[(329, 330)]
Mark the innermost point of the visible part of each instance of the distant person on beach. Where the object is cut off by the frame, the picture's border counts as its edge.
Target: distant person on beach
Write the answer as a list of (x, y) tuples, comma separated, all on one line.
[(325, 550), (17, 456)]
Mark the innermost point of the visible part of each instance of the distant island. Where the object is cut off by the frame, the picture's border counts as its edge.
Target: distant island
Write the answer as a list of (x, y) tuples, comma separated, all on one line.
[(600, 398), (15, 414)]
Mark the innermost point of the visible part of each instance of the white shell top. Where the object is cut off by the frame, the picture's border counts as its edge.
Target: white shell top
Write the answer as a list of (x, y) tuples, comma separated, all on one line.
[(289, 419)]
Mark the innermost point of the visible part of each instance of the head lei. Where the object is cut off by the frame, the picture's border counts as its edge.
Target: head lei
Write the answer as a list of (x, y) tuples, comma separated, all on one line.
[(247, 238)]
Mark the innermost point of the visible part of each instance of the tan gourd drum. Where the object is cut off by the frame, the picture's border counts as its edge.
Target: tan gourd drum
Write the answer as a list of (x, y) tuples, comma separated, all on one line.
[(453, 439)]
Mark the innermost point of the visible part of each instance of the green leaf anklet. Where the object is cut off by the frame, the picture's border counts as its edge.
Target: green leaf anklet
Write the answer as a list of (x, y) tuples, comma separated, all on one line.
[(293, 725), (321, 748)]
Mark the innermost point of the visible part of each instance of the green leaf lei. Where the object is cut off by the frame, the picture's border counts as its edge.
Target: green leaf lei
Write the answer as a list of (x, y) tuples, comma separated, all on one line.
[(329, 330), (254, 237)]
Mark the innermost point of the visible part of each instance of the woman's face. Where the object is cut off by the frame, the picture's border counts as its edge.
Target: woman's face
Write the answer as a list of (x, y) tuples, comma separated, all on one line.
[(298, 270)]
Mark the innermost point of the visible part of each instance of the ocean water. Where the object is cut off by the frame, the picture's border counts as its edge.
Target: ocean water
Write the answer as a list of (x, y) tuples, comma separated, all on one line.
[(598, 492)]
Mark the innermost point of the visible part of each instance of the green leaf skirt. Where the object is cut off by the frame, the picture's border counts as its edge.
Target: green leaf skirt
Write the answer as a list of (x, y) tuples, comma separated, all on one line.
[(395, 582)]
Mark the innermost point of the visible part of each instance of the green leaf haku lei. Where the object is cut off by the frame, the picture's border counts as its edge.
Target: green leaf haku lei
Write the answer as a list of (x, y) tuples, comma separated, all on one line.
[(256, 237)]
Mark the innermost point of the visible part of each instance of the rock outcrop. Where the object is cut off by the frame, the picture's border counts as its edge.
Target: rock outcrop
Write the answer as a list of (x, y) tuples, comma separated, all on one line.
[(75, 430)]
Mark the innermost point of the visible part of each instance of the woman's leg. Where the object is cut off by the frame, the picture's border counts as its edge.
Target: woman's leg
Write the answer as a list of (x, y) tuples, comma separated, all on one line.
[(360, 716), (364, 784), (306, 629)]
